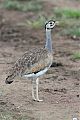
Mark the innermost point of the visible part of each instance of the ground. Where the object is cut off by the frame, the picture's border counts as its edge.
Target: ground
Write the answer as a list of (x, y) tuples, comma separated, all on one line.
[(59, 87)]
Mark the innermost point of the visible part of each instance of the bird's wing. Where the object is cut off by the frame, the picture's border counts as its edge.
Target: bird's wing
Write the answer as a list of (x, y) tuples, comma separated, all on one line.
[(32, 61)]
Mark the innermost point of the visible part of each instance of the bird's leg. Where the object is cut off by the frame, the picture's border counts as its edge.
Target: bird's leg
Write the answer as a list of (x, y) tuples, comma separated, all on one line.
[(37, 96), (33, 89)]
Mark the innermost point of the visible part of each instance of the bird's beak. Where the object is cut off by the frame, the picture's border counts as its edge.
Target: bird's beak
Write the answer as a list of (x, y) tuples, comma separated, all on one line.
[(56, 22)]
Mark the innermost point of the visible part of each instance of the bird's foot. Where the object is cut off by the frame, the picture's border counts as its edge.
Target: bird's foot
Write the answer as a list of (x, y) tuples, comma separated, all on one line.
[(38, 100), (34, 98)]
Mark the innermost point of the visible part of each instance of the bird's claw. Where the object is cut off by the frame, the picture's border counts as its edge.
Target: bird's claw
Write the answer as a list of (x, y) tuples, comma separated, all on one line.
[(39, 100)]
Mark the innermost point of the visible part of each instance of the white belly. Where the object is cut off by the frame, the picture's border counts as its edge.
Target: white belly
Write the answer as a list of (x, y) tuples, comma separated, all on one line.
[(37, 74)]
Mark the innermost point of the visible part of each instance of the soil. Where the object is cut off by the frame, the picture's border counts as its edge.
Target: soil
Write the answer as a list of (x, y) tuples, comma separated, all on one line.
[(59, 87)]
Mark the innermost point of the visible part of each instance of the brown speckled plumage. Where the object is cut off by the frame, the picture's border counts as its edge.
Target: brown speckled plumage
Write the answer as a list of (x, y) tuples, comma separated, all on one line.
[(32, 61)]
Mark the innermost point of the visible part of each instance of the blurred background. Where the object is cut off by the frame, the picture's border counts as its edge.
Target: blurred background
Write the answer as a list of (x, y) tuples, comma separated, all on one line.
[(22, 27)]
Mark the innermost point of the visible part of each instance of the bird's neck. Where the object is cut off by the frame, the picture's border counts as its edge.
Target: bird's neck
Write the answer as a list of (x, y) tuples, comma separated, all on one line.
[(48, 40)]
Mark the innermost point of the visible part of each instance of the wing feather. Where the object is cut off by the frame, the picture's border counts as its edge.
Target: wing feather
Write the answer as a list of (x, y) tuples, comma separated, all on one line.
[(32, 61)]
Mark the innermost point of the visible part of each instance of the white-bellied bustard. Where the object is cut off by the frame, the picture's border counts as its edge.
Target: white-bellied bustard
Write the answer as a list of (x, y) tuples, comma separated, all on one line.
[(34, 63)]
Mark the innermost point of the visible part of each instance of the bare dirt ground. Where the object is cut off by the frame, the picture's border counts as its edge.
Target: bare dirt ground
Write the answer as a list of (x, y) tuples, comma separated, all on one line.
[(59, 87)]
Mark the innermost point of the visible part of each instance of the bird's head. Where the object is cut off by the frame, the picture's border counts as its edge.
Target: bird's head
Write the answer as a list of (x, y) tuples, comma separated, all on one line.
[(50, 24)]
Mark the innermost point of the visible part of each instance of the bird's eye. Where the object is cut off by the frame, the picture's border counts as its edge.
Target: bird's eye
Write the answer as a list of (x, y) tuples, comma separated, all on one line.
[(50, 23)]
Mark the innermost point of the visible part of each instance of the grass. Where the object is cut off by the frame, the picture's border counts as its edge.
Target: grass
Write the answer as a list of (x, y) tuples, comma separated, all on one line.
[(38, 23), (69, 21), (67, 13), (22, 6), (71, 31), (74, 32), (69, 18), (76, 56)]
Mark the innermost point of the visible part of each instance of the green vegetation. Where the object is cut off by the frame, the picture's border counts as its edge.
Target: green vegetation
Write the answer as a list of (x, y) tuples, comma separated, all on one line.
[(76, 56), (69, 21), (22, 6), (74, 32), (38, 23), (67, 13)]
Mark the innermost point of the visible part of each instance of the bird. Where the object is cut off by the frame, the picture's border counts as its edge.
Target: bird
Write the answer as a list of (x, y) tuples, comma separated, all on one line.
[(34, 62)]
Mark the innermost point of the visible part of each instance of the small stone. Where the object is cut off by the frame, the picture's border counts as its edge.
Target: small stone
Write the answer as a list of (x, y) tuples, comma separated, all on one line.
[(74, 36), (77, 95), (57, 102)]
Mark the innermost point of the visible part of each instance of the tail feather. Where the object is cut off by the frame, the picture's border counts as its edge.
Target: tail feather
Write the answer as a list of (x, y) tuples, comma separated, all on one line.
[(9, 79)]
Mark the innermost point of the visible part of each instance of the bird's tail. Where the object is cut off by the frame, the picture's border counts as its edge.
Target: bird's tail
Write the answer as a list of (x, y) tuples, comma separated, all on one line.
[(9, 79)]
